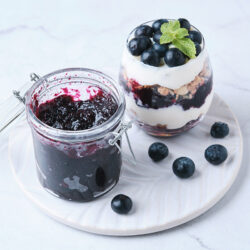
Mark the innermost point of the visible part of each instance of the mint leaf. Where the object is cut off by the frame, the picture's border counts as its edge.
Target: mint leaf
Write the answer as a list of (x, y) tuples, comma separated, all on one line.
[(186, 46), (164, 28), (170, 27), (180, 33), (166, 38), (174, 25)]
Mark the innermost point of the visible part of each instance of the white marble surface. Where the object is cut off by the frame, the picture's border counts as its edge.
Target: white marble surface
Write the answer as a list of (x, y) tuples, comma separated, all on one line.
[(42, 36)]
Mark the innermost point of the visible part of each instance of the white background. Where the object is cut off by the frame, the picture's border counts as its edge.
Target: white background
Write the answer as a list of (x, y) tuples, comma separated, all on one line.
[(42, 36)]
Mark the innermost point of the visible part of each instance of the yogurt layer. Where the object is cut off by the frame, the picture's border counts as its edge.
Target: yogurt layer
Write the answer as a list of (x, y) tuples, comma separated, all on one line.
[(170, 77), (173, 117)]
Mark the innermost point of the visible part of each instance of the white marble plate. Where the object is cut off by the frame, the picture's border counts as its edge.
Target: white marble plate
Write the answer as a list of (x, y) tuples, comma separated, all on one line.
[(161, 200)]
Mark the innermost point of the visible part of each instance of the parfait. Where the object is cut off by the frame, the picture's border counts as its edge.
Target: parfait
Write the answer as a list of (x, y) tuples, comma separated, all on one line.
[(167, 77)]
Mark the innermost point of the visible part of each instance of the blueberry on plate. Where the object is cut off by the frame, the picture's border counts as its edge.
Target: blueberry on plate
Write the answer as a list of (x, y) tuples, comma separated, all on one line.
[(216, 154), (144, 30), (157, 37), (198, 49), (137, 45), (195, 36), (158, 151), (184, 23), (183, 167), (157, 24), (174, 57), (121, 204), (161, 49), (219, 130), (151, 57)]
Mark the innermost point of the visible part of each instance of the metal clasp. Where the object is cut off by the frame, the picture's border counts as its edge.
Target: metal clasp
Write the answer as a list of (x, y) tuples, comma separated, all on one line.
[(118, 135), (33, 77)]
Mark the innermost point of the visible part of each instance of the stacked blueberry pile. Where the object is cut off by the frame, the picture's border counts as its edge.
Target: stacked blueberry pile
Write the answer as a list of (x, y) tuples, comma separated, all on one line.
[(174, 41)]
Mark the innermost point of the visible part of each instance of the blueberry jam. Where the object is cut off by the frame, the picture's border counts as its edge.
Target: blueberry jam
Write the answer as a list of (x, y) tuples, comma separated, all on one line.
[(77, 170), (150, 97), (63, 112)]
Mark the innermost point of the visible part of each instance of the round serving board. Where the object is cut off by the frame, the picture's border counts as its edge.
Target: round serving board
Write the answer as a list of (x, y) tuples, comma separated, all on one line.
[(161, 200)]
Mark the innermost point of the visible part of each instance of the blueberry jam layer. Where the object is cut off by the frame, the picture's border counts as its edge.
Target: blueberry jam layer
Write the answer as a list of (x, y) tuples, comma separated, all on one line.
[(191, 95), (64, 112)]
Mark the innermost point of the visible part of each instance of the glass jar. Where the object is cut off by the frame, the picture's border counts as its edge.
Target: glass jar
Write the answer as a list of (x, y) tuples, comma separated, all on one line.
[(75, 165), (166, 101)]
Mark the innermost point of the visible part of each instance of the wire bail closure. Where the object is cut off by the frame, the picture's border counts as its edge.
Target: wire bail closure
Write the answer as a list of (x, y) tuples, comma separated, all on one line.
[(118, 135), (33, 77)]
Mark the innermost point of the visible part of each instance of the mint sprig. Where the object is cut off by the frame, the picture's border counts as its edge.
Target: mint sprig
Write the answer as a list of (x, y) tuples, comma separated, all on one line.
[(173, 33)]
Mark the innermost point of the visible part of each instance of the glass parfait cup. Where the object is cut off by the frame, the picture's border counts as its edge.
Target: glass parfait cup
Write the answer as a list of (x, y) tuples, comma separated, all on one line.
[(75, 165), (166, 101)]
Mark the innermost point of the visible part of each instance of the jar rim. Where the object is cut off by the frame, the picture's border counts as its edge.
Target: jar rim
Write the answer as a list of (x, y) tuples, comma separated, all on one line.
[(80, 135)]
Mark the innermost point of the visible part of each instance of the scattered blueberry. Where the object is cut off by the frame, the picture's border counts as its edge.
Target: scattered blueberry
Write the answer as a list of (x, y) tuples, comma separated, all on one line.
[(151, 57), (144, 30), (157, 24), (174, 57), (184, 23), (157, 36), (216, 154), (198, 49), (138, 45), (183, 167), (195, 36), (219, 130), (158, 151), (121, 204), (161, 49)]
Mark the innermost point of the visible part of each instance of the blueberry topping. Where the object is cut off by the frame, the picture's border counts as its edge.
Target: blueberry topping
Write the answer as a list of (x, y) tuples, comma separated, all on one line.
[(157, 24), (157, 36), (158, 151), (183, 167), (121, 204), (151, 57), (216, 154), (195, 36), (219, 130), (184, 23), (161, 49), (174, 57), (198, 49), (138, 45), (144, 30)]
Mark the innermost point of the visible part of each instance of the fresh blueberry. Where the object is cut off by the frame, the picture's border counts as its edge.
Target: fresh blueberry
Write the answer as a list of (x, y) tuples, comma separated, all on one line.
[(198, 49), (161, 49), (144, 30), (183, 167), (157, 36), (157, 24), (151, 57), (138, 45), (158, 151), (184, 23), (219, 130), (195, 36), (121, 204), (174, 57), (216, 154)]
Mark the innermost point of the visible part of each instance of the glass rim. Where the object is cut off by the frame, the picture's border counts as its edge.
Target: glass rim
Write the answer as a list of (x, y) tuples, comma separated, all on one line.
[(79, 135)]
